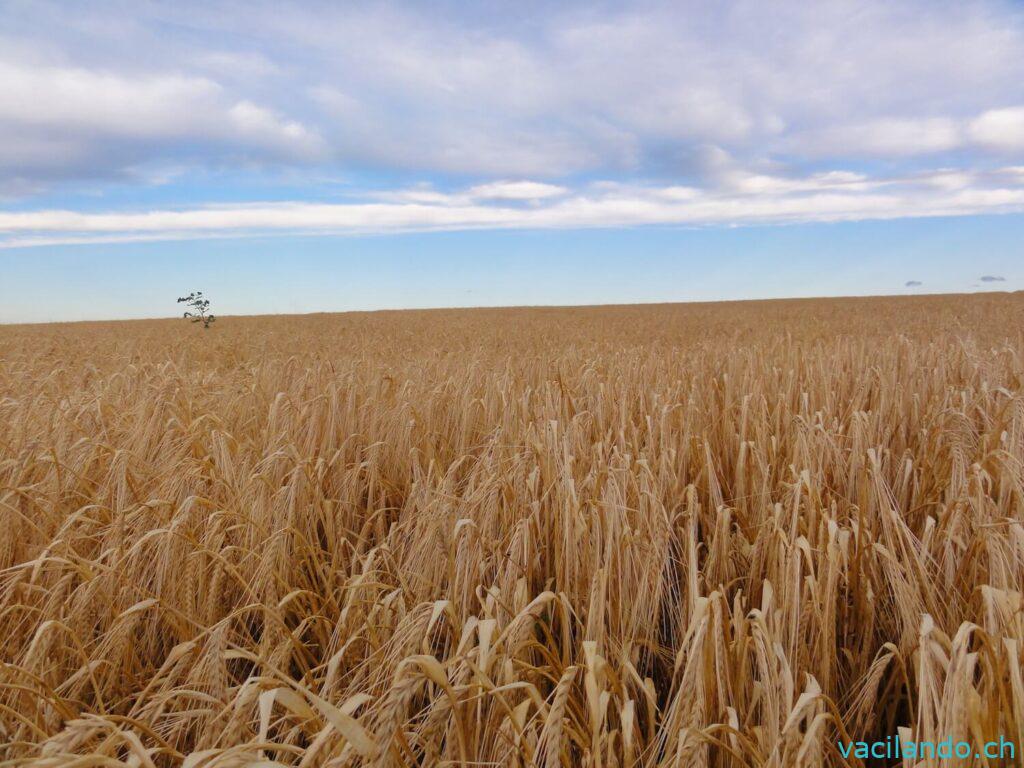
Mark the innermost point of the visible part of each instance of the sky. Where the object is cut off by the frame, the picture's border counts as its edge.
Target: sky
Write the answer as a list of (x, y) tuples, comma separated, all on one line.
[(314, 156)]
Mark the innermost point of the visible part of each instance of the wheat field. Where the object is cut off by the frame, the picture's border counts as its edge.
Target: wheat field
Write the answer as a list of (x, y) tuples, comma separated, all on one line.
[(671, 535)]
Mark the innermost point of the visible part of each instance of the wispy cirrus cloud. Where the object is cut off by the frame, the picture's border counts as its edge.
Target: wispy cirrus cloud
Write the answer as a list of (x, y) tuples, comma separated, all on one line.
[(516, 190), (757, 199)]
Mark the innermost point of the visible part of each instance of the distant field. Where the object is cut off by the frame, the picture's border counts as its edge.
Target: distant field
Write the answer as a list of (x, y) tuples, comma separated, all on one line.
[(710, 534)]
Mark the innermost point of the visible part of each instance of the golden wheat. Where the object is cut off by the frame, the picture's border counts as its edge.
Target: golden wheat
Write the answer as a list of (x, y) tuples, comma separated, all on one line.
[(721, 535)]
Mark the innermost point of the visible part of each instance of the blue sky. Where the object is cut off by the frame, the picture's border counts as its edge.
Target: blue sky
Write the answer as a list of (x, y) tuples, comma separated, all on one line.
[(288, 157)]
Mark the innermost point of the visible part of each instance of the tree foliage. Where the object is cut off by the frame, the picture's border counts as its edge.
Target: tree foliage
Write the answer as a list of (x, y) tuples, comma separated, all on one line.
[(200, 308)]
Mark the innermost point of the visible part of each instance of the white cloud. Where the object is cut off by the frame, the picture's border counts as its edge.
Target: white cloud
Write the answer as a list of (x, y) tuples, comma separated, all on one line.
[(836, 196), (441, 130), (759, 184), (52, 97), (251, 122), (425, 194), (894, 137), (629, 90), (1001, 129), (53, 117), (522, 191), (587, 88), (516, 190)]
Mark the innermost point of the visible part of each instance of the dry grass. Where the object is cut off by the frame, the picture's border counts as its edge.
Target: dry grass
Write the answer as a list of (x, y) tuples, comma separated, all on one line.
[(722, 535)]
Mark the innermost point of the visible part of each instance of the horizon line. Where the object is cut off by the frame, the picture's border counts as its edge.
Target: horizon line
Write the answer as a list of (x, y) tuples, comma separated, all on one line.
[(470, 308)]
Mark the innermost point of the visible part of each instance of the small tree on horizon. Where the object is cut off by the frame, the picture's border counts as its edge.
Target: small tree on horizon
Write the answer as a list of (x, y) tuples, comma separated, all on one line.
[(200, 312)]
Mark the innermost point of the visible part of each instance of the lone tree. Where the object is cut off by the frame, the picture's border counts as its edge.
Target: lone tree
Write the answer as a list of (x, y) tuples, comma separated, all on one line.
[(200, 312)]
